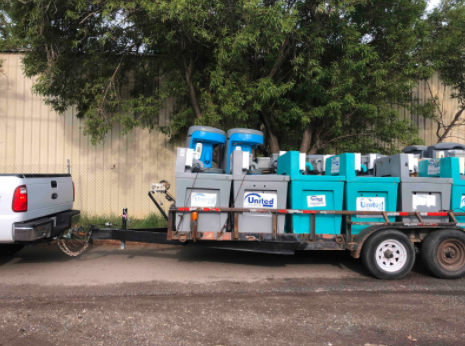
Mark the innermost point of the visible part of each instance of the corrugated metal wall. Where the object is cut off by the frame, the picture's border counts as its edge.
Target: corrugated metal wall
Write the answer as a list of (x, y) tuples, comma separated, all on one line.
[(118, 172), (450, 107), (108, 176)]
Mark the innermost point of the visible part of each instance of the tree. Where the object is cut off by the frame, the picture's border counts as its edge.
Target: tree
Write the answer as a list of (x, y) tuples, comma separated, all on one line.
[(446, 51), (315, 75)]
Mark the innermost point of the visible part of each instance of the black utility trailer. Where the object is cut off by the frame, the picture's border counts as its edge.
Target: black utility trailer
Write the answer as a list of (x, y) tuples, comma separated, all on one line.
[(388, 249)]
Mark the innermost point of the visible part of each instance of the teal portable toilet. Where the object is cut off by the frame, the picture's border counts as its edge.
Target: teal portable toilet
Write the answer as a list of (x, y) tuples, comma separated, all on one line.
[(363, 192), (450, 167), (311, 192)]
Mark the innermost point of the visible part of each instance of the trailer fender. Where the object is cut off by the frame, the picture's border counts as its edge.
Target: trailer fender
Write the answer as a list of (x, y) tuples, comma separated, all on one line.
[(360, 238)]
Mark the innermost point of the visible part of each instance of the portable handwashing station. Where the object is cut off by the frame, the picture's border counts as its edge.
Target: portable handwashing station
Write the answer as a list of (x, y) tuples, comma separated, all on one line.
[(419, 151), (427, 193), (198, 183), (310, 191), (441, 150), (363, 192), (204, 140), (368, 162), (450, 167), (242, 139), (317, 164), (259, 191)]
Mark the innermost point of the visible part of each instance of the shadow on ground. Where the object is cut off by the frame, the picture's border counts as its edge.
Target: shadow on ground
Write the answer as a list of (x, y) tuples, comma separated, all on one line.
[(197, 254)]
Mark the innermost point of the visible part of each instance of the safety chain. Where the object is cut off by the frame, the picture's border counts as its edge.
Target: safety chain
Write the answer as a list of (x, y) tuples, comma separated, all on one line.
[(62, 244)]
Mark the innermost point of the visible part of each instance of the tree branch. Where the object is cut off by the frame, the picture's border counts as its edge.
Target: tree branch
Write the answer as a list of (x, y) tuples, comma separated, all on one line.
[(335, 139), (190, 85), (279, 59), (451, 125), (440, 120)]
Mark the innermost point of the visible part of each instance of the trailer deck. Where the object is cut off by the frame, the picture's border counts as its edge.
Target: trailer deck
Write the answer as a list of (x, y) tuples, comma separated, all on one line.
[(279, 243)]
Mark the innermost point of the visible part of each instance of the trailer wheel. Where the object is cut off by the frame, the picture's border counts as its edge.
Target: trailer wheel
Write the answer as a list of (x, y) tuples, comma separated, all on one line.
[(443, 253), (10, 249), (388, 255)]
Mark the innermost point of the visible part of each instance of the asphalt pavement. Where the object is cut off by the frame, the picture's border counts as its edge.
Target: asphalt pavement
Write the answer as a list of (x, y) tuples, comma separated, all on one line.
[(168, 295)]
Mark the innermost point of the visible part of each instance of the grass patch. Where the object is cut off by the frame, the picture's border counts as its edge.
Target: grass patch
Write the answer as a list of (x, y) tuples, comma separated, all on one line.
[(151, 221)]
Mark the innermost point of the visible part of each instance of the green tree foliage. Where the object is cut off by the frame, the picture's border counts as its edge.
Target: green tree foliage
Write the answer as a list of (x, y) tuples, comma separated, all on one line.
[(314, 75), (446, 51), (3, 32)]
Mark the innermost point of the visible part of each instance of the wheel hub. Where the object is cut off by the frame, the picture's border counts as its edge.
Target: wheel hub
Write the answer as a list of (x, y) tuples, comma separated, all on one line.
[(388, 254), (451, 254), (391, 255)]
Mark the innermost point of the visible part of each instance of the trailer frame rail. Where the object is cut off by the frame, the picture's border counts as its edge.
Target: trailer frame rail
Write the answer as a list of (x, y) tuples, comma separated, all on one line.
[(343, 239), (274, 242)]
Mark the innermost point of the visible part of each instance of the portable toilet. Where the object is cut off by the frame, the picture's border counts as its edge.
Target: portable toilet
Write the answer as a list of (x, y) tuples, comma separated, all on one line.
[(441, 150), (242, 139), (450, 167), (417, 150), (198, 184), (259, 191), (204, 140), (423, 194), (362, 192), (310, 191)]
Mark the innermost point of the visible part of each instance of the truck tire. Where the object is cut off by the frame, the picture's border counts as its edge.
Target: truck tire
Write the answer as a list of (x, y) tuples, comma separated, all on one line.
[(443, 253), (388, 255), (10, 249)]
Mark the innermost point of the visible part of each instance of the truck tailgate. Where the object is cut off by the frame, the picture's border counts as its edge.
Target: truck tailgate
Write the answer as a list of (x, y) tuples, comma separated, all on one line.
[(47, 192), (47, 195)]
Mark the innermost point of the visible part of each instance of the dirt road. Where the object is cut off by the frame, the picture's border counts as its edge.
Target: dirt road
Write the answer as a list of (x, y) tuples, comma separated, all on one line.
[(150, 295)]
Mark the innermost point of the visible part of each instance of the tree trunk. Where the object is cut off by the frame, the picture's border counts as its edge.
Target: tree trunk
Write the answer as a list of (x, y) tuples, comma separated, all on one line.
[(449, 128), (306, 139), (190, 85), (274, 144), (313, 150)]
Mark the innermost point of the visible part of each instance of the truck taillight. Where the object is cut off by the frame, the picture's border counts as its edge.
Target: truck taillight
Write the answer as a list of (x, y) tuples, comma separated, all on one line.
[(20, 199), (74, 192)]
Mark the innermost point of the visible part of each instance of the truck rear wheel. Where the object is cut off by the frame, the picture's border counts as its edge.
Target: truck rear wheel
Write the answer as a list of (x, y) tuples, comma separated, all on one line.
[(443, 253), (388, 255), (10, 249)]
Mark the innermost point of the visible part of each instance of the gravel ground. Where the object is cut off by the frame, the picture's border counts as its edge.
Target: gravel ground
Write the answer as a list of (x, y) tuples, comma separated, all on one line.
[(164, 295)]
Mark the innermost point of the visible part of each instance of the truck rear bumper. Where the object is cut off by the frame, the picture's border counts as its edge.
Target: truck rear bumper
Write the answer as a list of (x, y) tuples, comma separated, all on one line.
[(45, 227)]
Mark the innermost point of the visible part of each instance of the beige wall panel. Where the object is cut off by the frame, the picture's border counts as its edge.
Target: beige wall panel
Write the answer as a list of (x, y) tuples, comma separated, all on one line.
[(114, 167), (52, 137), (4, 95), (20, 112), (11, 109)]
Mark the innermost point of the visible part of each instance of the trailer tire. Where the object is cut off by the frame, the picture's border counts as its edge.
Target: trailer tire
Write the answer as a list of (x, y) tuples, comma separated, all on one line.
[(10, 249), (443, 253), (388, 255)]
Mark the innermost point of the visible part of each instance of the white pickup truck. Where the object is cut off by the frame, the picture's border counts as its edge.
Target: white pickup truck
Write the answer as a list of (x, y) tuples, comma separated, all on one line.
[(34, 208)]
